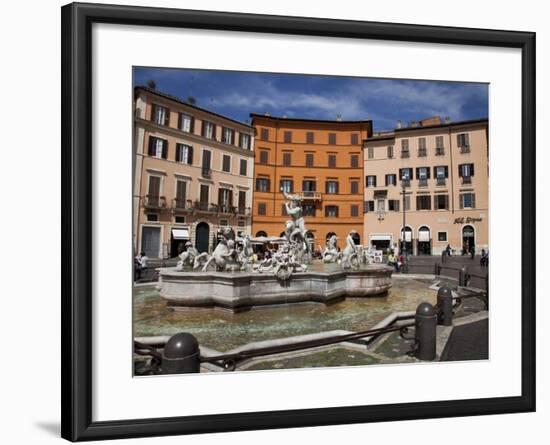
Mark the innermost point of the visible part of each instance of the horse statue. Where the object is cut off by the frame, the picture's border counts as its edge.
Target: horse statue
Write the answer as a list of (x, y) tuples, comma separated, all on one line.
[(350, 255), (225, 255)]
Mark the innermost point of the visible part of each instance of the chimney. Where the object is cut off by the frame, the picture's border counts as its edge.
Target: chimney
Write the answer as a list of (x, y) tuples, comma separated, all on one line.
[(398, 124), (339, 117)]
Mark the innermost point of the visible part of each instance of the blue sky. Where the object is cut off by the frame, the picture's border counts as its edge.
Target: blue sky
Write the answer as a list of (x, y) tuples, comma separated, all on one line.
[(237, 94)]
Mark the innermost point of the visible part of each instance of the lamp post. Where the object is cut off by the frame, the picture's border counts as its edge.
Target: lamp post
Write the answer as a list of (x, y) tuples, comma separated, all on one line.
[(404, 185)]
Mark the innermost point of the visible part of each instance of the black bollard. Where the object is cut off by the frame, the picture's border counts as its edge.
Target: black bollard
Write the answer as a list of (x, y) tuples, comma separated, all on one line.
[(425, 331), (463, 276), (437, 269), (445, 305), (181, 355)]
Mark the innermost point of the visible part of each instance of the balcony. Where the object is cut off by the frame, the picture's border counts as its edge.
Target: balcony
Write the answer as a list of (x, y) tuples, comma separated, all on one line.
[(206, 172), (405, 183), (154, 202), (423, 182), (204, 207), (405, 154), (439, 151), (422, 153), (243, 211), (440, 181), (465, 149), (182, 205), (225, 209), (466, 180), (307, 195)]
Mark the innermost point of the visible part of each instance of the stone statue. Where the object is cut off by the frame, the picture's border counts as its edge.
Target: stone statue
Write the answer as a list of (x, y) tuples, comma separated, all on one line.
[(295, 229), (282, 264), (187, 257), (246, 254), (350, 257), (330, 253), (225, 255)]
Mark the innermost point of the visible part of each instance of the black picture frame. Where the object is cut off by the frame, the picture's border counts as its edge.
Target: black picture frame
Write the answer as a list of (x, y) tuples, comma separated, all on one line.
[(76, 419)]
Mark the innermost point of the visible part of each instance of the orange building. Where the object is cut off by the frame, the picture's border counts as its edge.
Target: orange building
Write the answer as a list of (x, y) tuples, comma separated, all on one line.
[(321, 161)]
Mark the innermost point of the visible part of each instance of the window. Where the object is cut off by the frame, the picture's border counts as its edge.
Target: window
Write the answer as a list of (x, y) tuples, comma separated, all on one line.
[(206, 161), (262, 184), (309, 159), (223, 222), (309, 137), (354, 139), (371, 181), (186, 123), (404, 148), (441, 202), (225, 199), (439, 149), (423, 202), (287, 159), (332, 138), (390, 151), (466, 171), (242, 202), (391, 179), (331, 187), (208, 130), (309, 185), (332, 161), (287, 185), (226, 163), (228, 136), (204, 196), (331, 211), (423, 174), (381, 204), (264, 156), (241, 223), (160, 115), (370, 152), (261, 208), (243, 167), (179, 219), (152, 217), (422, 147), (393, 205), (354, 210), (309, 209), (264, 134), (181, 194), (184, 154), (368, 206), (354, 161), (467, 201), (244, 141), (354, 187), (288, 136), (442, 236), (441, 172), (463, 141), (158, 147), (405, 174)]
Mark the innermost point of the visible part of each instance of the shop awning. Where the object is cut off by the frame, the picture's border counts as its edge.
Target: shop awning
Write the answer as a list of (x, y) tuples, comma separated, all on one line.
[(380, 237), (180, 233)]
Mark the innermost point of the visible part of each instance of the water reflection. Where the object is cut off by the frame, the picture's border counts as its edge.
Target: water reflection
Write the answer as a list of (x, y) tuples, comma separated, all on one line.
[(223, 331)]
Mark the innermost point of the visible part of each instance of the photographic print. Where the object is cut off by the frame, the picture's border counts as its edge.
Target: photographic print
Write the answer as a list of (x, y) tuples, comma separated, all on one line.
[(286, 221)]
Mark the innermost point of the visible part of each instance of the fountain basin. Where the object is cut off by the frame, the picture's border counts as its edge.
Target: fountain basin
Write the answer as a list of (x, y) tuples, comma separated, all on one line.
[(238, 291)]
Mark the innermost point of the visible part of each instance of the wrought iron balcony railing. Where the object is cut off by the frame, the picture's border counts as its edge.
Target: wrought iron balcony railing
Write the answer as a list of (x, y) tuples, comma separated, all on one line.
[(440, 181), (439, 151), (206, 172), (466, 180), (465, 149), (422, 153), (182, 204), (423, 182), (154, 202), (307, 195)]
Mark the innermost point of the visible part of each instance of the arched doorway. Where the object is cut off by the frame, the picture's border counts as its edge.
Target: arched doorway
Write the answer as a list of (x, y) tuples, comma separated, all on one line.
[(261, 233), (202, 237), (406, 241), (424, 243), (468, 238)]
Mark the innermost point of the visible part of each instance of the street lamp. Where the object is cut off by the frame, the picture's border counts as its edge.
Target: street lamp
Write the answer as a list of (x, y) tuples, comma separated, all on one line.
[(404, 184)]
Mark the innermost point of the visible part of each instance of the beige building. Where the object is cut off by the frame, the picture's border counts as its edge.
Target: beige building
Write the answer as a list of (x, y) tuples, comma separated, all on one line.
[(193, 174), (444, 166)]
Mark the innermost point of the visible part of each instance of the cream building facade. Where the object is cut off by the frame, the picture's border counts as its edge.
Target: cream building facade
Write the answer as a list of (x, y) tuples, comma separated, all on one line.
[(445, 169), (193, 174)]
